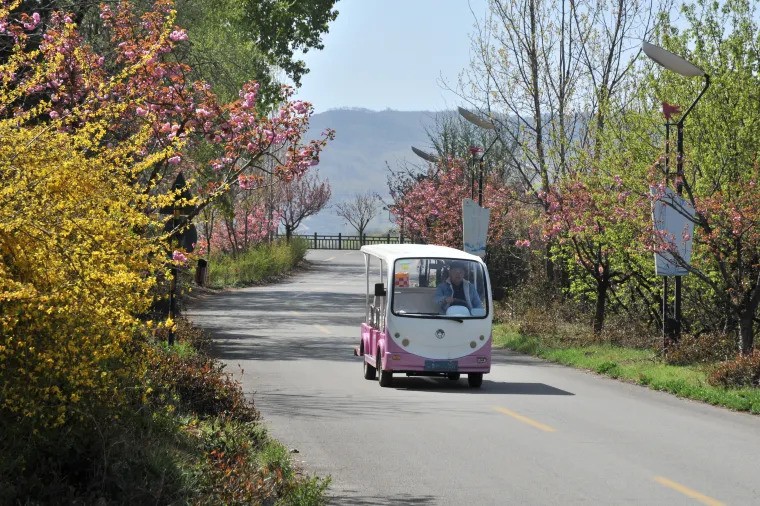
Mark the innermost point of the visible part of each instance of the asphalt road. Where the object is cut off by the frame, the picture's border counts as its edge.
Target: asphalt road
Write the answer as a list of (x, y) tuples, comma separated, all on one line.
[(536, 433)]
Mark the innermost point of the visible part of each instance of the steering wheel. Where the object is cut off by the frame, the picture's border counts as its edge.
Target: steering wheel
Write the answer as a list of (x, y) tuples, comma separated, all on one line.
[(460, 302)]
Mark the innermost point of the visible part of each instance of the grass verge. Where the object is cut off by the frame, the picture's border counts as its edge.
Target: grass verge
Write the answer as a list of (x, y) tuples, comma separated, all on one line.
[(258, 265), (642, 366)]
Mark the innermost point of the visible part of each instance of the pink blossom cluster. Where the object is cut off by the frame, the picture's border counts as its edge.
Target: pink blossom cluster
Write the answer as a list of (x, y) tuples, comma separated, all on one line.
[(431, 209), (249, 226), (157, 94), (179, 257)]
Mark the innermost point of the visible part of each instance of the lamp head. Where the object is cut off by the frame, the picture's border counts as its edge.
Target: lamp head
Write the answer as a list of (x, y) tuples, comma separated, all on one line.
[(425, 156), (475, 119), (671, 61)]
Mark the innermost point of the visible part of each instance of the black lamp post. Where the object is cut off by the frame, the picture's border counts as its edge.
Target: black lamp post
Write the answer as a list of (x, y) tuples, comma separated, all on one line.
[(487, 125), (677, 64), (183, 234), (428, 157)]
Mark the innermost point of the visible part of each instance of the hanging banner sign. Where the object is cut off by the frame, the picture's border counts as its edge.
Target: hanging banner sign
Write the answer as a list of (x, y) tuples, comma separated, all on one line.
[(674, 220), (475, 227)]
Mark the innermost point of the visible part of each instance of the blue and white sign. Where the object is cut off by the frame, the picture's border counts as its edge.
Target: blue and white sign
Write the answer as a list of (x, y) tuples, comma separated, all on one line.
[(475, 227), (674, 220)]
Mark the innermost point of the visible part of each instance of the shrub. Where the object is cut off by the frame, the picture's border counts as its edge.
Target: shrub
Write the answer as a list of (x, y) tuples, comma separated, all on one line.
[(196, 339), (621, 331), (707, 348), (537, 321), (742, 371), (196, 384), (126, 457), (72, 276)]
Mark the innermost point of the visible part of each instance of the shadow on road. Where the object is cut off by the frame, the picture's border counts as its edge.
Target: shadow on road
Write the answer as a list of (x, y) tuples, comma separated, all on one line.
[(248, 347), (356, 404), (355, 401), (398, 499), (277, 307), (489, 387)]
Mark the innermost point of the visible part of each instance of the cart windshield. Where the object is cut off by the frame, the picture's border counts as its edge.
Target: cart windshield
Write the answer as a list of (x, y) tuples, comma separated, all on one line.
[(439, 287)]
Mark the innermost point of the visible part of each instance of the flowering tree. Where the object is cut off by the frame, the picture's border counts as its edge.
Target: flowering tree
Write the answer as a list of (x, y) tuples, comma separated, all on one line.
[(430, 207), (151, 88), (90, 147), (597, 222), (241, 219), (300, 198)]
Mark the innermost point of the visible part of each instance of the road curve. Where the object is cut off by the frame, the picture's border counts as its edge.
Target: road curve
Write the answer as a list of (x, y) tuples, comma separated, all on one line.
[(536, 433)]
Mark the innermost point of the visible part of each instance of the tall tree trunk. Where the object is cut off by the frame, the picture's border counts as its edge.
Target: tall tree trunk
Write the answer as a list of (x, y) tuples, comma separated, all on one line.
[(746, 340), (602, 286), (549, 264), (231, 237), (245, 231), (746, 318)]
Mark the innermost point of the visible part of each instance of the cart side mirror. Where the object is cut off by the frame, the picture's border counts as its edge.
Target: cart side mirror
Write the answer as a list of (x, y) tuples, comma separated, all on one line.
[(380, 290)]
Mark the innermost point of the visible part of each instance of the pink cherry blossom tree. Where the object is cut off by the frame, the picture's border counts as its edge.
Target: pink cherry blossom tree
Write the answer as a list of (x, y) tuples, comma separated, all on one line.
[(300, 198)]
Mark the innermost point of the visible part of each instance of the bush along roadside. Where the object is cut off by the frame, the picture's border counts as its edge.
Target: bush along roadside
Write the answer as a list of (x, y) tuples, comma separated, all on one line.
[(236, 461), (187, 435), (698, 369), (260, 264)]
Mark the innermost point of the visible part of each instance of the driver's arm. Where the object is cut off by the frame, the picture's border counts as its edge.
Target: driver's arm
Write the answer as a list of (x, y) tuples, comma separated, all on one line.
[(440, 295)]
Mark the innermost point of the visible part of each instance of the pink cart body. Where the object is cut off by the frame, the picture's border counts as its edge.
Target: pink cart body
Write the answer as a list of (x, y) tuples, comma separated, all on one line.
[(417, 322)]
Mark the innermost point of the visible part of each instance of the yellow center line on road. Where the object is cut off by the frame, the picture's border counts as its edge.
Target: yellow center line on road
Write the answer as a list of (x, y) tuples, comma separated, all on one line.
[(687, 491), (322, 329), (328, 259), (525, 419)]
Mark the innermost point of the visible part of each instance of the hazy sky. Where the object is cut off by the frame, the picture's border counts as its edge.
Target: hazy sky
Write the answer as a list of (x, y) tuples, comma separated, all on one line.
[(392, 54)]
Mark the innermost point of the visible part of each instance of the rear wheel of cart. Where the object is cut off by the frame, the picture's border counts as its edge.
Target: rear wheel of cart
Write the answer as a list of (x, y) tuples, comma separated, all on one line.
[(369, 371), (475, 379), (385, 377), (453, 376)]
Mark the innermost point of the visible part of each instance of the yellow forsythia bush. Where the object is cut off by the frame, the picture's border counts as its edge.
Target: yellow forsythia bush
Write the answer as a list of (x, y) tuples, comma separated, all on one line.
[(76, 267)]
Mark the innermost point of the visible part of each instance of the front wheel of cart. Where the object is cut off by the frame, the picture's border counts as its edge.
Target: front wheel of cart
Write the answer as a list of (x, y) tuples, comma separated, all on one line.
[(475, 379)]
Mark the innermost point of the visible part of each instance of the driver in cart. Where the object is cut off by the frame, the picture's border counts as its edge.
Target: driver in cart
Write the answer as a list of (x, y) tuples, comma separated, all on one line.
[(456, 291)]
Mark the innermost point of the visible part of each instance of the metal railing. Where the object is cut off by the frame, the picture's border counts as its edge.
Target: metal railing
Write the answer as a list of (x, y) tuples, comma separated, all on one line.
[(348, 242)]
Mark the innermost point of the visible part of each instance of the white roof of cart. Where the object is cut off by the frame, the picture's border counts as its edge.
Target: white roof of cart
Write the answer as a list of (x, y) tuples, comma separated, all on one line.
[(392, 252)]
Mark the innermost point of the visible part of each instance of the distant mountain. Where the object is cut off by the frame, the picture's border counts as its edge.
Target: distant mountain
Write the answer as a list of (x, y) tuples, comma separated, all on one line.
[(356, 160)]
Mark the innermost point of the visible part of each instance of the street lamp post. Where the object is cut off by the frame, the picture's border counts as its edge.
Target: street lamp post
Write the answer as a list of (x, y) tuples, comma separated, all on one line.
[(487, 125), (679, 65), (183, 235), (435, 160)]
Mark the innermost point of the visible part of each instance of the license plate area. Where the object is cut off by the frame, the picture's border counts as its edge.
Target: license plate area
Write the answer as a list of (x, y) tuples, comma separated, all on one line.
[(441, 365)]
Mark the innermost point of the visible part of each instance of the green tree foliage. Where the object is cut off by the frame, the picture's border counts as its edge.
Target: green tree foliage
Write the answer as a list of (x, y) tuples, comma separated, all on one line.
[(233, 41), (722, 146), (281, 27), (586, 116), (236, 41)]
